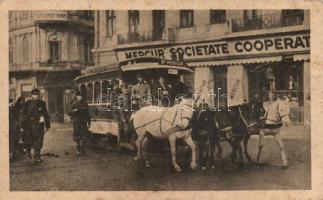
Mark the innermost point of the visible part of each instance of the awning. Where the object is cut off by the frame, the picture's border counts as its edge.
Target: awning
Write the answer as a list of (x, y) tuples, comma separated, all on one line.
[(301, 57), (149, 66), (236, 61)]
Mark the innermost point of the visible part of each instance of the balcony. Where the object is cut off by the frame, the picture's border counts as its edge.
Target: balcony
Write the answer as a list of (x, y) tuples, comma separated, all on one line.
[(49, 66), (266, 22), (139, 37)]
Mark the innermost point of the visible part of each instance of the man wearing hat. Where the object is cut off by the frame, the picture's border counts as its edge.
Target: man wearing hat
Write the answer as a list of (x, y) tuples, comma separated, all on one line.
[(80, 115), (140, 91), (36, 121)]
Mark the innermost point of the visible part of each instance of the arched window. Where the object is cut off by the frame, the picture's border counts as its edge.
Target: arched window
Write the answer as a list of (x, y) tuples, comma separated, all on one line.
[(10, 52), (54, 44), (89, 92), (25, 50)]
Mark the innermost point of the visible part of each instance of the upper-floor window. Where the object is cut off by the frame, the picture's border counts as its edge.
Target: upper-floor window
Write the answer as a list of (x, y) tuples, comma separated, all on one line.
[(292, 17), (54, 43), (88, 44), (86, 14), (186, 18), (10, 17), (133, 21), (252, 20), (25, 50), (217, 16), (252, 14), (10, 52), (110, 18), (23, 14)]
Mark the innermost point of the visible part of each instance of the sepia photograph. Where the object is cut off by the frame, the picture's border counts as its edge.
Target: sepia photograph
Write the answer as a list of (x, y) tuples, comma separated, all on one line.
[(159, 100)]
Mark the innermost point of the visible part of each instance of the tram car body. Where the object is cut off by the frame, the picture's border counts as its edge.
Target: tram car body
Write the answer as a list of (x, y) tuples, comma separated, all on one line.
[(96, 86)]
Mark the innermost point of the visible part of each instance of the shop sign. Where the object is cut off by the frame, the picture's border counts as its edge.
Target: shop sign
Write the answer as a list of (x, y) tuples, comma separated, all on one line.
[(219, 49), (51, 16)]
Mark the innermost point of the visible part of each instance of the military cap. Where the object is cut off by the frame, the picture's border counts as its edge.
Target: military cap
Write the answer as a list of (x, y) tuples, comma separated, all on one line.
[(35, 91)]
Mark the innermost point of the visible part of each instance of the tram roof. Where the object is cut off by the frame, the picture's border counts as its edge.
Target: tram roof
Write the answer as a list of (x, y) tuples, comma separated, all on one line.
[(135, 64)]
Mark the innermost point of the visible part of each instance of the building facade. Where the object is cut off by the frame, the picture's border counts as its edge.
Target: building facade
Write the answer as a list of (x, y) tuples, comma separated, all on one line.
[(47, 50), (238, 53)]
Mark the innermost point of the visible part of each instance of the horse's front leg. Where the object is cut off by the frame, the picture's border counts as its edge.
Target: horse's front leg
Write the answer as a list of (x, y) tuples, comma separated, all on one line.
[(139, 140), (245, 147), (282, 150), (172, 142), (191, 144), (260, 146)]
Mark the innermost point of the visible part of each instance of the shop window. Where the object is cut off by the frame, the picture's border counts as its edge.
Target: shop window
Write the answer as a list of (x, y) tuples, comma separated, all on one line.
[(25, 50), (54, 43), (292, 17), (217, 16), (186, 18), (220, 88), (110, 19), (286, 80), (89, 92)]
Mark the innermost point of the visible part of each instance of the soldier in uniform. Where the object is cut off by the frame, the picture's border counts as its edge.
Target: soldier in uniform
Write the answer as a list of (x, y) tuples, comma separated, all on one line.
[(81, 122), (36, 122)]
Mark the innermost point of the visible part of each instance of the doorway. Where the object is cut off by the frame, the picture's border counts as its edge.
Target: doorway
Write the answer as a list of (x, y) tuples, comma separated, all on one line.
[(55, 98)]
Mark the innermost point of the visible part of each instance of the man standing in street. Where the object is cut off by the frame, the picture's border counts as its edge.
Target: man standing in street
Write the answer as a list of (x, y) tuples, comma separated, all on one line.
[(36, 121), (81, 122), (13, 130)]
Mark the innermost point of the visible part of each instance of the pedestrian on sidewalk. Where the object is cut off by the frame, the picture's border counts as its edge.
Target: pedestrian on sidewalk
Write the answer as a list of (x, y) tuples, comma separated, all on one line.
[(36, 123), (81, 122)]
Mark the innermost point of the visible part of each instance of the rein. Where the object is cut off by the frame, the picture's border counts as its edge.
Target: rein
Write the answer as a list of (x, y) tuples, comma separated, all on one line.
[(162, 118)]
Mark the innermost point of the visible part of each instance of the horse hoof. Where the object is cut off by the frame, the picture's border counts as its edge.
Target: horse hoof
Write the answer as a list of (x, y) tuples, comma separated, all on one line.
[(147, 164), (284, 167), (203, 168), (135, 158), (193, 166), (178, 169), (212, 167)]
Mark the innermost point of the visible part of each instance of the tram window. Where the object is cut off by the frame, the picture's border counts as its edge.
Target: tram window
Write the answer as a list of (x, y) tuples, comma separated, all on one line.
[(97, 90), (89, 92), (83, 90), (104, 88)]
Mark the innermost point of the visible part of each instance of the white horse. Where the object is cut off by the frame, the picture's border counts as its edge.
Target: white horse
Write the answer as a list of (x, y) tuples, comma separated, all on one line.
[(171, 122), (277, 116)]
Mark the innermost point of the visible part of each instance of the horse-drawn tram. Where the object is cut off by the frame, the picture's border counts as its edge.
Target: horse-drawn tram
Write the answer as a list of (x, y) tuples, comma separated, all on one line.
[(111, 93)]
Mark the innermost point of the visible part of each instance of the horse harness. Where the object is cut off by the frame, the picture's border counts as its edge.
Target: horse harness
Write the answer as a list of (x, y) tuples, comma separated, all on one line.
[(172, 129)]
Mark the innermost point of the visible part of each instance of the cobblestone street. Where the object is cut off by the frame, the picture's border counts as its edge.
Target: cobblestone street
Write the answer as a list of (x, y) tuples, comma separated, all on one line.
[(107, 171)]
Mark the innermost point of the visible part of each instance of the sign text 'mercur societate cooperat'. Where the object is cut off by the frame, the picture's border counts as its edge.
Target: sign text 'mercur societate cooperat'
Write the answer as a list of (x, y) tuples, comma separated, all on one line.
[(223, 48)]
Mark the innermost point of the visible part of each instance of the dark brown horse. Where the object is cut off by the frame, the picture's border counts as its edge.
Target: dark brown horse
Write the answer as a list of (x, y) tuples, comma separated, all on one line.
[(233, 125)]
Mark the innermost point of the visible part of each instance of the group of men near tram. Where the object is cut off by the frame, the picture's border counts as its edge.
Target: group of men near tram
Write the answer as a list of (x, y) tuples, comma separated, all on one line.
[(29, 121)]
